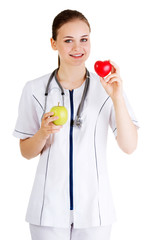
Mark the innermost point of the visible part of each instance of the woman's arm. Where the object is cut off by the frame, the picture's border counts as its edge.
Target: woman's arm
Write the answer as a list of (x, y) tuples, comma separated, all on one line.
[(126, 131), (127, 136), (31, 147)]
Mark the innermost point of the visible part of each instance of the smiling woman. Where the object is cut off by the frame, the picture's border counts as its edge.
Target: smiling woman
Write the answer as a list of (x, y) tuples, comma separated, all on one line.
[(71, 192), (75, 46), (63, 18)]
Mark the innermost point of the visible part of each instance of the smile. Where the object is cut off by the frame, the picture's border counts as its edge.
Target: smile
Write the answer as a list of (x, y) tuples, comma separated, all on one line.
[(77, 55)]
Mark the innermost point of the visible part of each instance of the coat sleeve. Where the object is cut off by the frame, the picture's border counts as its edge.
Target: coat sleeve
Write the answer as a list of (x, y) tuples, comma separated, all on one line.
[(130, 111), (27, 122)]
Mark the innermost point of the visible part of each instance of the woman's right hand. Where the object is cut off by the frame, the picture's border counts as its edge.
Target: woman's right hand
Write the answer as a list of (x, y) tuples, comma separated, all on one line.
[(47, 125)]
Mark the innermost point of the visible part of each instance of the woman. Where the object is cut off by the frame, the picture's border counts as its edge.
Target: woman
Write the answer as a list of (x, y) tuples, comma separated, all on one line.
[(71, 196)]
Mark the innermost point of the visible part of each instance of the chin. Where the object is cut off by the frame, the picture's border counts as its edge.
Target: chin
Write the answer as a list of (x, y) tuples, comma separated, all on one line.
[(78, 62)]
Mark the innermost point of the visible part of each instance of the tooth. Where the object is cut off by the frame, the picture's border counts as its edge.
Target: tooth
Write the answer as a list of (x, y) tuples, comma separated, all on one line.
[(77, 55)]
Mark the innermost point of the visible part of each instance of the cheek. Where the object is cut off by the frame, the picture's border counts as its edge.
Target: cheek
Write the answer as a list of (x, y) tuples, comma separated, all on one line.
[(87, 49), (64, 49)]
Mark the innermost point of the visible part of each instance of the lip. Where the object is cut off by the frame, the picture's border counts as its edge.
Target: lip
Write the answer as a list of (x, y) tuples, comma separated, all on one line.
[(77, 55)]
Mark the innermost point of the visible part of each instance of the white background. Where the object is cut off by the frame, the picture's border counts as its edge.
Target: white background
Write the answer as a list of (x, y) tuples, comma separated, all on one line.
[(127, 32)]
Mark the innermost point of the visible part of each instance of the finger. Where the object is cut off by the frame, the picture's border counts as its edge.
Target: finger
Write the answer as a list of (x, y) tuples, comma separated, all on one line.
[(53, 131), (51, 119), (115, 67), (49, 114), (102, 79), (114, 80), (55, 128), (52, 126), (111, 76), (103, 82)]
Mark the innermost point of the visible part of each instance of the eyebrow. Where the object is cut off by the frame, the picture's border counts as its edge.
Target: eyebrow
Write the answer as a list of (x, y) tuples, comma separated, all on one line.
[(73, 37)]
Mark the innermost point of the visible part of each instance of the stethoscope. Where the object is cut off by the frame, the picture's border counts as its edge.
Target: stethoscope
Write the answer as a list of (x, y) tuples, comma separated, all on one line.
[(78, 121)]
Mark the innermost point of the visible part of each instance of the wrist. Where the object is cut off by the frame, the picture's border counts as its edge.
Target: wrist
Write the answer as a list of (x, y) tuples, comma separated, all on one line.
[(118, 100), (41, 136)]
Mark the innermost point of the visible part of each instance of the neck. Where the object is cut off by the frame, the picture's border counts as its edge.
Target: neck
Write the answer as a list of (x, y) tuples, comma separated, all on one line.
[(71, 74)]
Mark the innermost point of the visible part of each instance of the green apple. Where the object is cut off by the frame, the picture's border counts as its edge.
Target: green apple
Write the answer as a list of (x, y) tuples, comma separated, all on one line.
[(60, 112)]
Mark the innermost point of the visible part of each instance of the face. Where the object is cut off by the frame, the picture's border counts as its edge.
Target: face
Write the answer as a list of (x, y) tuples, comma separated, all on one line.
[(73, 43)]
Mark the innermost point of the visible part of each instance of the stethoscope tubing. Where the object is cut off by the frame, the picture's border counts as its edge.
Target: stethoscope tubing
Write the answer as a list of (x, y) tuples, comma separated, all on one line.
[(77, 121)]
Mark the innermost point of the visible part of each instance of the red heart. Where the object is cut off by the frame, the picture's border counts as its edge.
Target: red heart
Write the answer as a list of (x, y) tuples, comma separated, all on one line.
[(102, 68)]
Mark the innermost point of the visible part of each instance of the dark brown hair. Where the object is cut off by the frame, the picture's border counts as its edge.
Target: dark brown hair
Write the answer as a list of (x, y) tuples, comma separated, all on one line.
[(64, 17)]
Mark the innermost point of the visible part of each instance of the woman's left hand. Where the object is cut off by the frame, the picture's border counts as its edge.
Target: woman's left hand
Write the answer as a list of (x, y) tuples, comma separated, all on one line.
[(113, 82)]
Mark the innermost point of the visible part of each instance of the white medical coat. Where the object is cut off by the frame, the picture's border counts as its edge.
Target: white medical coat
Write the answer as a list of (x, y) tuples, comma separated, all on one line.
[(49, 203)]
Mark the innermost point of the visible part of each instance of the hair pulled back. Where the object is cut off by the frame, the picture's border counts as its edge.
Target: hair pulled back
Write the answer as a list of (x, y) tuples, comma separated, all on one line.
[(65, 17)]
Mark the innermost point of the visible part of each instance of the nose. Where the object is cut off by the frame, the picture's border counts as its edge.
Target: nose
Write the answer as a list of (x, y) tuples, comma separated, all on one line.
[(76, 46)]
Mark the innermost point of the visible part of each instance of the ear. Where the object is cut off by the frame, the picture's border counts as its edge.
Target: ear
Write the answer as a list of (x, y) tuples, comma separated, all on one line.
[(53, 44)]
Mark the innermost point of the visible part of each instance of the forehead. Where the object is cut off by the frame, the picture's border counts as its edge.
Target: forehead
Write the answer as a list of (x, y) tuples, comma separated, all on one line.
[(74, 28)]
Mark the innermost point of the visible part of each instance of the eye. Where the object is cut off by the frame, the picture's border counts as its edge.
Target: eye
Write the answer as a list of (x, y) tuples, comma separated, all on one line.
[(68, 41), (84, 39)]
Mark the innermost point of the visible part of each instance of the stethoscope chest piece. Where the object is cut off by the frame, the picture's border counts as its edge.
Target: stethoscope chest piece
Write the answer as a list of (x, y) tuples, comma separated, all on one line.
[(77, 122)]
